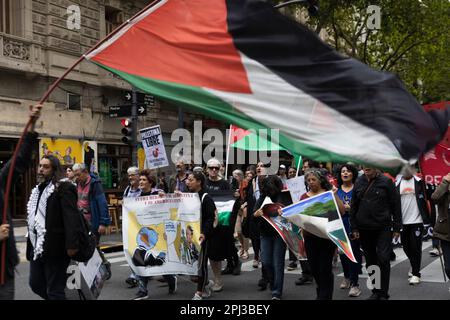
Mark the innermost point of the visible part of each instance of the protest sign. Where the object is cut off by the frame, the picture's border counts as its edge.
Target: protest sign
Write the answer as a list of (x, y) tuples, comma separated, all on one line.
[(160, 234), (153, 144), (296, 187), (435, 164)]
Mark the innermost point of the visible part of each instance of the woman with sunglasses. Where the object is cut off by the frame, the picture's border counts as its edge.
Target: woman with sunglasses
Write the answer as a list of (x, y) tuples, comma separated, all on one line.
[(222, 245)]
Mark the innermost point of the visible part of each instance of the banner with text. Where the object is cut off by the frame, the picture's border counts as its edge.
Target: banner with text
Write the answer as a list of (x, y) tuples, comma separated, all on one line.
[(160, 234), (155, 151)]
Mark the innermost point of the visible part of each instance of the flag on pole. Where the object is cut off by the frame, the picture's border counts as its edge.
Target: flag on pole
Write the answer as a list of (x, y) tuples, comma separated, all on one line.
[(243, 62)]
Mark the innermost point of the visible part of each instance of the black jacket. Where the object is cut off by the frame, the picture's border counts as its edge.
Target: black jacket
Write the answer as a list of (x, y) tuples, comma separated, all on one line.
[(23, 160), (375, 208), (208, 214), (421, 199), (62, 223)]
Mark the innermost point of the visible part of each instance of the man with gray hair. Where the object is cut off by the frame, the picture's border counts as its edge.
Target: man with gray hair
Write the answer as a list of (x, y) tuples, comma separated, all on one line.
[(92, 203), (177, 182)]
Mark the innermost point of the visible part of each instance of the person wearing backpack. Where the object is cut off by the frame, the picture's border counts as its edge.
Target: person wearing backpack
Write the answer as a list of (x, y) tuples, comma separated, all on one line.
[(92, 202), (54, 228)]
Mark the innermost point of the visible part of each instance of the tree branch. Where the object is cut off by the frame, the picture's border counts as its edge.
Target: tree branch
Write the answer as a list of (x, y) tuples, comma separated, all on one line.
[(408, 49), (396, 50)]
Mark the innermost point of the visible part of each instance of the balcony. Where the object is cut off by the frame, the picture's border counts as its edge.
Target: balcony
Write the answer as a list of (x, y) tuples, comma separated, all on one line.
[(21, 54)]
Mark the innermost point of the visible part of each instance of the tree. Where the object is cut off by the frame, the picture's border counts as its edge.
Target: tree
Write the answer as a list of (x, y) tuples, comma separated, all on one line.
[(412, 41)]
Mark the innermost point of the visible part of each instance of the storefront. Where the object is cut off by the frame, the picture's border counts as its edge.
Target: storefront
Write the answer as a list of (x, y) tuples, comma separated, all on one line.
[(22, 188)]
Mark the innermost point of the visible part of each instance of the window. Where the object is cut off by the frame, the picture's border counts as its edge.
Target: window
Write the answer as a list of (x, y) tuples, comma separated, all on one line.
[(10, 17), (5, 16), (113, 19), (74, 102)]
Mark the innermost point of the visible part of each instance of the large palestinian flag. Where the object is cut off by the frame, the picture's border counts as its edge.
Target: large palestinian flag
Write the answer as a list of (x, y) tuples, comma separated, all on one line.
[(242, 62)]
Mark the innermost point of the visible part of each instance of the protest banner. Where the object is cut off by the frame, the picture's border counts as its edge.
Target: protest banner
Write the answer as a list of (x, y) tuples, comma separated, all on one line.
[(289, 232), (296, 187), (435, 164), (160, 234), (155, 151), (319, 215)]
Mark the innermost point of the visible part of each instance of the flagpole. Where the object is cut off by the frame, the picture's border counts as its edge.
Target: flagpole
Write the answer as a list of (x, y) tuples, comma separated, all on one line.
[(228, 152), (27, 126), (298, 165)]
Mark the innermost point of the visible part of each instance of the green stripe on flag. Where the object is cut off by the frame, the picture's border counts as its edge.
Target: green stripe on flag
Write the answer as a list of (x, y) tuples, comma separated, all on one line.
[(196, 99)]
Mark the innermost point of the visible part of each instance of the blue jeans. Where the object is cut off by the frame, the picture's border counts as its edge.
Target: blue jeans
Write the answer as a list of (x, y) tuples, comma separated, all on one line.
[(352, 270), (273, 251)]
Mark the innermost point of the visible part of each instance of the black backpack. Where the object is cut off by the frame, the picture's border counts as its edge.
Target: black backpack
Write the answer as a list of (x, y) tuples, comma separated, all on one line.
[(87, 241)]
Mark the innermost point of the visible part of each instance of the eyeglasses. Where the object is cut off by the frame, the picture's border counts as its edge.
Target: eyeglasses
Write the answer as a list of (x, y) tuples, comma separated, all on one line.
[(214, 168)]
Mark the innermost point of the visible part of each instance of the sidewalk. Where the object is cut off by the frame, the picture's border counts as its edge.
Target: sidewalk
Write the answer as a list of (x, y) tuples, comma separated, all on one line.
[(108, 243)]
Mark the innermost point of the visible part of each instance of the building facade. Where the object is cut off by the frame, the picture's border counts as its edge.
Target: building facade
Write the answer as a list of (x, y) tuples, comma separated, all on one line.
[(39, 40)]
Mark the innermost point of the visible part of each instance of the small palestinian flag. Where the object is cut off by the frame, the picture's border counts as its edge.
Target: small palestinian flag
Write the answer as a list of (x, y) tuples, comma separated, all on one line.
[(243, 62)]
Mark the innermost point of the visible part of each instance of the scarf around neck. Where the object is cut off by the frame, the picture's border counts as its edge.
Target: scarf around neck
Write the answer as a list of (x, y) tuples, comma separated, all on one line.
[(36, 209)]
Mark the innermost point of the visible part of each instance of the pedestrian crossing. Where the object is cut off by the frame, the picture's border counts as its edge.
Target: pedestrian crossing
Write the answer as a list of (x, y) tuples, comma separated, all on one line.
[(432, 272)]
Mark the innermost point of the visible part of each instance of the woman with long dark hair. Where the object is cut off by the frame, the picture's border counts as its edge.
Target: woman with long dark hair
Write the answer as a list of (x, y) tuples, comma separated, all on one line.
[(320, 252), (346, 179), (273, 247), (196, 182)]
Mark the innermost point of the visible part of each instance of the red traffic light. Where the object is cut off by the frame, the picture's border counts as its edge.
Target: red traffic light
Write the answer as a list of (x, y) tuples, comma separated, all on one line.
[(125, 122)]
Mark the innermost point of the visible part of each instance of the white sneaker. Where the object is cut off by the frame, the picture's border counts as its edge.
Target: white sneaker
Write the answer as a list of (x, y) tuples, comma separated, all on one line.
[(354, 292), (410, 273), (414, 280), (345, 284), (217, 287), (197, 297), (435, 252), (207, 291)]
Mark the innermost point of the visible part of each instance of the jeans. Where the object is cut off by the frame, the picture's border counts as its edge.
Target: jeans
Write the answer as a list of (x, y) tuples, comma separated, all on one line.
[(377, 247), (7, 290), (411, 238), (352, 270), (445, 246), (48, 277), (273, 250), (143, 282), (320, 253)]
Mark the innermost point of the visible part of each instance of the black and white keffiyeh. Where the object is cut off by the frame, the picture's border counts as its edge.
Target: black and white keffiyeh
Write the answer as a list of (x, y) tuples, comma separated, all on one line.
[(36, 218)]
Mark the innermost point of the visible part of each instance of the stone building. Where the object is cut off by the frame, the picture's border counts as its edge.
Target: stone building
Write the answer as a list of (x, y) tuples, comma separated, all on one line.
[(39, 40)]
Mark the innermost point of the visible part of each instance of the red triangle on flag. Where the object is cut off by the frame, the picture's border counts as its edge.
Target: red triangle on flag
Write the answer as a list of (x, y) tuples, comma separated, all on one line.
[(237, 133)]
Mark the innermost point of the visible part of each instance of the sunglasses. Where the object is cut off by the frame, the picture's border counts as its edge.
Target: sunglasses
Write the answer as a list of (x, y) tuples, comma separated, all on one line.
[(214, 168)]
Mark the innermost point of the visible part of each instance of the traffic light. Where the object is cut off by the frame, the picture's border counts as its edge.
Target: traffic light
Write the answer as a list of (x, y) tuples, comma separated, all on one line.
[(127, 131)]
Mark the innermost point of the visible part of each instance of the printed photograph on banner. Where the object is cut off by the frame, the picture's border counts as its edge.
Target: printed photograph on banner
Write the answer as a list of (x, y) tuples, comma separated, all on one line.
[(67, 151), (320, 216), (160, 234), (289, 232), (155, 151)]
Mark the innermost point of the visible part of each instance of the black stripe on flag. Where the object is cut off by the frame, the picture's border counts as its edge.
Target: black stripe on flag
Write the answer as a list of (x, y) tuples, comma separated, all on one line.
[(375, 99)]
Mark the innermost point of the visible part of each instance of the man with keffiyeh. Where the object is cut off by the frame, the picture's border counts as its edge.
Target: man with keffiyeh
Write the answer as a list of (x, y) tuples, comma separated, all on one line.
[(53, 225), (23, 160)]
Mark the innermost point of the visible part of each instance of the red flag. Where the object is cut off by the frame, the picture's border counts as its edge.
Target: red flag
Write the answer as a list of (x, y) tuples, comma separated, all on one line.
[(435, 164)]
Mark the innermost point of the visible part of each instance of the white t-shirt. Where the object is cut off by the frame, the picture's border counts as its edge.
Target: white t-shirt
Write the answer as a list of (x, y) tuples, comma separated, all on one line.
[(410, 209)]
